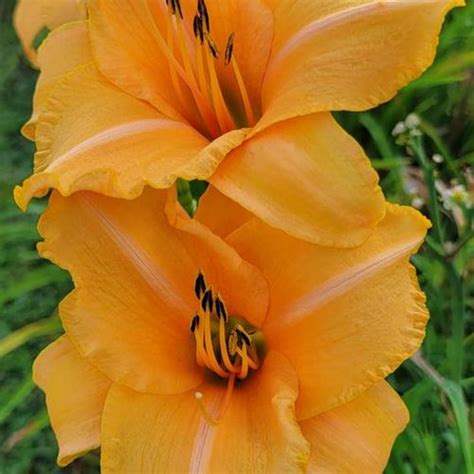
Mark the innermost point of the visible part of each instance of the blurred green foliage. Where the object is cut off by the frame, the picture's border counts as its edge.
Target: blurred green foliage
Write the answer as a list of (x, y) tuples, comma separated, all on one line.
[(437, 385)]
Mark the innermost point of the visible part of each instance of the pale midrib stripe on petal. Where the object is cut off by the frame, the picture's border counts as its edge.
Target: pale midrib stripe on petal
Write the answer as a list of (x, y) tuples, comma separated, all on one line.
[(115, 133), (204, 438), (330, 21), (163, 288), (341, 284)]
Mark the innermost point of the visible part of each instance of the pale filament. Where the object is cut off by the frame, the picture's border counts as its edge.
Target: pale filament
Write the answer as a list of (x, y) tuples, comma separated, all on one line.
[(192, 63), (243, 92)]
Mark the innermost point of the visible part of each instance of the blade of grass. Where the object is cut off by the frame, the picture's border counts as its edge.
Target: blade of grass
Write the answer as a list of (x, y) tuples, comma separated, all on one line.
[(37, 278), (38, 423), (48, 326), (458, 404), (17, 398)]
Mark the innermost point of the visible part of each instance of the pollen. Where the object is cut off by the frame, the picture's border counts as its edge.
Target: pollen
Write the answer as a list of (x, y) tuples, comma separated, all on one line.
[(193, 57)]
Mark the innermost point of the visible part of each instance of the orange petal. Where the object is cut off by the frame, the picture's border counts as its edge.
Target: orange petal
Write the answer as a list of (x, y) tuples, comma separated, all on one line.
[(75, 396), (98, 138), (291, 16), (126, 45), (219, 213), (31, 16), (59, 12), (240, 284), (258, 434), (356, 437), (307, 177), (345, 318), (65, 48), (353, 59), (129, 314)]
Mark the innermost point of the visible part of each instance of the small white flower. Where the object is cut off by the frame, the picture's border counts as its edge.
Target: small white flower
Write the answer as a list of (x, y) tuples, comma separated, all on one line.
[(437, 158), (449, 247), (418, 202), (399, 129), (412, 121), (414, 132), (454, 196)]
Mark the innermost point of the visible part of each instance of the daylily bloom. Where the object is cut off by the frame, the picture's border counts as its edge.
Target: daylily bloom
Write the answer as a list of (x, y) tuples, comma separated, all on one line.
[(237, 92), (32, 16), (238, 350)]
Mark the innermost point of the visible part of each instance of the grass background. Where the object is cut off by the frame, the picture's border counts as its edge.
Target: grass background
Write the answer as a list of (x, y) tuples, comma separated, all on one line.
[(437, 386)]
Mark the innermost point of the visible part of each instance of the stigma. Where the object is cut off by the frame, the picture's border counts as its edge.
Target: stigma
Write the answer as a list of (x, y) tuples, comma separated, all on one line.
[(226, 345), (192, 58)]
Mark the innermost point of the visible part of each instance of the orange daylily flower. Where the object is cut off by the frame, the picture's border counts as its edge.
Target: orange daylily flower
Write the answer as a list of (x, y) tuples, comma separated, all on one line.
[(236, 92), (32, 16), (238, 350)]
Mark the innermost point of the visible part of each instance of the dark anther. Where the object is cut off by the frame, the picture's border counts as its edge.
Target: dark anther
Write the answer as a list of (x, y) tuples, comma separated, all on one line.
[(212, 46), (194, 323), (197, 28), (229, 49), (244, 337), (206, 301), (176, 7), (199, 285), (204, 14), (220, 309)]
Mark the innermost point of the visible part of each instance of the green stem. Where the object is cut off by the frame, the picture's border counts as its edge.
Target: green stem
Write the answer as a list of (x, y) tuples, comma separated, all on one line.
[(417, 147), (464, 240), (456, 352)]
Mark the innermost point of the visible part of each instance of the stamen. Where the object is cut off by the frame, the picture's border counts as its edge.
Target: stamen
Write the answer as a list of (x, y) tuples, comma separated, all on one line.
[(227, 349), (229, 49), (200, 69), (187, 64), (177, 7), (211, 356), (198, 28), (199, 285), (244, 370), (223, 117), (204, 14), (203, 106), (230, 58), (212, 46), (184, 49), (220, 309), (243, 334), (194, 323), (252, 364), (223, 345), (169, 40), (207, 302), (201, 356)]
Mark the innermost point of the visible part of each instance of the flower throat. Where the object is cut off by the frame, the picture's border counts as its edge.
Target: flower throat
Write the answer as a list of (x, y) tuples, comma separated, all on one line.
[(227, 346), (192, 56)]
